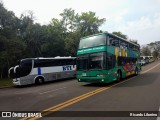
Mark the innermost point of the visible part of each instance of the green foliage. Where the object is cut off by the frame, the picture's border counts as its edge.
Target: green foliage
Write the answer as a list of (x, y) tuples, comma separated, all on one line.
[(120, 35), (134, 41), (146, 51), (89, 23), (6, 83), (11, 46), (69, 20), (155, 46), (71, 43)]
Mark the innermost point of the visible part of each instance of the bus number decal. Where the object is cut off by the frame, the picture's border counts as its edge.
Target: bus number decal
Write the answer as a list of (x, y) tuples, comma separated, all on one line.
[(66, 68)]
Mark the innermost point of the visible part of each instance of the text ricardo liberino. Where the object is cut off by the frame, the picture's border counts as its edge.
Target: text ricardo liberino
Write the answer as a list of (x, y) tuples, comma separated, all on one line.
[(144, 114)]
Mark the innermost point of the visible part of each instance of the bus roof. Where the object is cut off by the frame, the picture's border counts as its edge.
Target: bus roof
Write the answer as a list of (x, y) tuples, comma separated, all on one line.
[(111, 35), (43, 58)]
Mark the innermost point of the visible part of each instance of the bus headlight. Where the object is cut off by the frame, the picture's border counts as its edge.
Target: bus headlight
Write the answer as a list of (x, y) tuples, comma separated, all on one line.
[(16, 80), (102, 75)]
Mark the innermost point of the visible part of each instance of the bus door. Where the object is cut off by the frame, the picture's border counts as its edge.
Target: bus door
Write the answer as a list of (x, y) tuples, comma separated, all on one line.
[(111, 61)]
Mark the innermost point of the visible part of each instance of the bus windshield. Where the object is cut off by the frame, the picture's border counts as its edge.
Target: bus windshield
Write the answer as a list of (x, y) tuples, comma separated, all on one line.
[(92, 41), (26, 63), (82, 62), (94, 61)]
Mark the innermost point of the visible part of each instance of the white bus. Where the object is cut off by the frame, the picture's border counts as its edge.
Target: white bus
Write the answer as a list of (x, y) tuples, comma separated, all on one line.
[(39, 70)]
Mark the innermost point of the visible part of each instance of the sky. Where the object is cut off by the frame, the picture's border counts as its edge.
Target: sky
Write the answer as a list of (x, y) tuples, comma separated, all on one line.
[(138, 19)]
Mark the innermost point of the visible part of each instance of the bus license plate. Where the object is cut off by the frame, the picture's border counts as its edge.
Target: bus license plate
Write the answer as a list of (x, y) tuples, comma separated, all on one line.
[(84, 74)]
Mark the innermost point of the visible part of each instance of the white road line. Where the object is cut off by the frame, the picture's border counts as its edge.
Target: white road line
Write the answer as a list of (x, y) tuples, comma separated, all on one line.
[(52, 90), (158, 118), (150, 68)]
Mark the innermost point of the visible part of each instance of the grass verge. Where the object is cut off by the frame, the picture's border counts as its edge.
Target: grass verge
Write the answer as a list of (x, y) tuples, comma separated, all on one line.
[(5, 82)]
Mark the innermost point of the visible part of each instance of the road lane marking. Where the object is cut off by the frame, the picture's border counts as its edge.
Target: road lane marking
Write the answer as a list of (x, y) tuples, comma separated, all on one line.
[(81, 97), (52, 90), (150, 68)]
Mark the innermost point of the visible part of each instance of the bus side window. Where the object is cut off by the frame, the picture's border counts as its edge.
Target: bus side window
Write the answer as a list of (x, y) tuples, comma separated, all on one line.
[(109, 59), (60, 62), (133, 47), (36, 63), (119, 61), (123, 44), (113, 41), (68, 62)]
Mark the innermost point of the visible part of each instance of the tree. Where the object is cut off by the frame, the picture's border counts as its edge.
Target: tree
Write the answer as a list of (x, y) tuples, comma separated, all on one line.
[(32, 34), (134, 41), (146, 51), (120, 35), (69, 20), (71, 43), (11, 46), (155, 46), (53, 44), (89, 24)]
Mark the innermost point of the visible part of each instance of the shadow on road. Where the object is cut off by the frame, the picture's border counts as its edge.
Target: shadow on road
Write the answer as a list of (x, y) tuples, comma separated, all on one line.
[(140, 80), (99, 84), (46, 83)]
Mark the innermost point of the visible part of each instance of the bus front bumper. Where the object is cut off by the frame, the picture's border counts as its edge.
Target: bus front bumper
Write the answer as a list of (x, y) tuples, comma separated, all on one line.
[(93, 79), (16, 81)]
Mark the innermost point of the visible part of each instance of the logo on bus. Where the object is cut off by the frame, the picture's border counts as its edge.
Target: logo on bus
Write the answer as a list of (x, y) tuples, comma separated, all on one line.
[(66, 68)]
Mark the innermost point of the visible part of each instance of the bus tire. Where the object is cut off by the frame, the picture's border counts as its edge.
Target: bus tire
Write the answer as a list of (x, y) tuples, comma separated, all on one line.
[(39, 80), (119, 75), (136, 71)]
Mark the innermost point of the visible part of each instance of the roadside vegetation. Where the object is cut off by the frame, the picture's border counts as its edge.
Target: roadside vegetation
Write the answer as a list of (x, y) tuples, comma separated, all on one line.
[(5, 83)]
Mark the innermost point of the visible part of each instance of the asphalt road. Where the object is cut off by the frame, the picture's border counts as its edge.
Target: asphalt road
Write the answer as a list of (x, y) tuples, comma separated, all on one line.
[(140, 93)]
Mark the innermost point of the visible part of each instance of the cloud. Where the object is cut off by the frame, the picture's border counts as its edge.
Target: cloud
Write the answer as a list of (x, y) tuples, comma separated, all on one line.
[(145, 29), (140, 24)]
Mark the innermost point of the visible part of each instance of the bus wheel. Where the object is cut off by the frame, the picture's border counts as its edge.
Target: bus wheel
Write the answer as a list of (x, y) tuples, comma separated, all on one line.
[(39, 80), (118, 75), (136, 71)]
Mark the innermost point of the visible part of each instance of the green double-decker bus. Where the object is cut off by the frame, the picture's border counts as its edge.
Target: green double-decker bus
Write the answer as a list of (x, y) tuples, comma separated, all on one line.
[(105, 57)]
